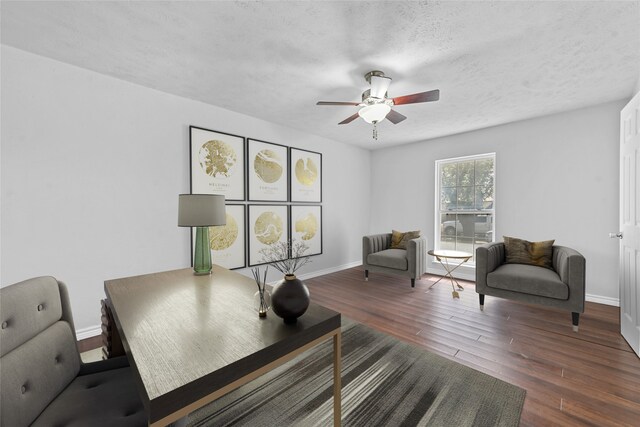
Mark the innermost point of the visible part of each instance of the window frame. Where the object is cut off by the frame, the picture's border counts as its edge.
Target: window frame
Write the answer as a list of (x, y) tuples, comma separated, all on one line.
[(437, 205)]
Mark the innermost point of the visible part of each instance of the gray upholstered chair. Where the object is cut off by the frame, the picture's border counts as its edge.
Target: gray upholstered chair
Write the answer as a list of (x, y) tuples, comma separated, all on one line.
[(563, 287), (44, 382), (377, 255)]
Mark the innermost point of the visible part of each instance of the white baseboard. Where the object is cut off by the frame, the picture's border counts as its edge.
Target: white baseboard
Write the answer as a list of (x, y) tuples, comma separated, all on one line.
[(90, 332), (603, 300), (329, 270)]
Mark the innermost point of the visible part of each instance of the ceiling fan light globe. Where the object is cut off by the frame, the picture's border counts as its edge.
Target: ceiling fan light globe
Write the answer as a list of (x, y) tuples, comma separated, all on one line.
[(374, 113)]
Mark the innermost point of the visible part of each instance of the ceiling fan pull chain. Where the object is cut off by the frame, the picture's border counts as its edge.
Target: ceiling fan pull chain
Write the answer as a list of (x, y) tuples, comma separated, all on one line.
[(375, 131)]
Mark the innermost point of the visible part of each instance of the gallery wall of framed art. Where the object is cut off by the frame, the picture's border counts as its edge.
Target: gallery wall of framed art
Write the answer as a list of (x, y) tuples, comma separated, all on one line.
[(272, 193)]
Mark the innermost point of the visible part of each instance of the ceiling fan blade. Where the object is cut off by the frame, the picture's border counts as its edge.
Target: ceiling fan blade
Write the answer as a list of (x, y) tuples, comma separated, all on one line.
[(395, 117), (379, 86), (432, 95), (349, 119), (336, 103)]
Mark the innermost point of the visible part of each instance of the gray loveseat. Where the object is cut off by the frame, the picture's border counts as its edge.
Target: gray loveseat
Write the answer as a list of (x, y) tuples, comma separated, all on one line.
[(44, 382), (561, 287), (377, 255)]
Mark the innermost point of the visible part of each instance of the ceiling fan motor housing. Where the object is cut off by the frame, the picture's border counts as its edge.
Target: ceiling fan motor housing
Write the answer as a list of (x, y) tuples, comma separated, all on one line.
[(376, 73), (377, 93), (367, 99)]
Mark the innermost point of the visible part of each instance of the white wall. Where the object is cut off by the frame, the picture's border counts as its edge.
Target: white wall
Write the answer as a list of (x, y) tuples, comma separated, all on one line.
[(92, 167), (556, 178)]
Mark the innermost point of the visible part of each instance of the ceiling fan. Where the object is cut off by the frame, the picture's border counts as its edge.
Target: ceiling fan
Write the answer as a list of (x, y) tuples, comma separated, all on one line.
[(375, 105)]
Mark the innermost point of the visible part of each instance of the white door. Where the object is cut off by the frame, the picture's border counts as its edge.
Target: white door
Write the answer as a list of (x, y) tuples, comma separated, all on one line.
[(630, 223)]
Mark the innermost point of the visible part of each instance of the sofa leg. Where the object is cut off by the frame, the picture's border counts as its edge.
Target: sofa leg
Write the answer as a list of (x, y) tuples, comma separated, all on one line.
[(413, 283), (481, 301), (575, 317), (366, 275)]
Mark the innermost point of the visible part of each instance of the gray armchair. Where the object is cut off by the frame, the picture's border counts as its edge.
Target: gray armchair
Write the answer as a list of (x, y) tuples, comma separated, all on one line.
[(44, 382), (377, 255), (563, 287)]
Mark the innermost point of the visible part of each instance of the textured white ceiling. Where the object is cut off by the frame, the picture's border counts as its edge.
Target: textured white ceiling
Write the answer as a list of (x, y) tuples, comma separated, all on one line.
[(494, 62)]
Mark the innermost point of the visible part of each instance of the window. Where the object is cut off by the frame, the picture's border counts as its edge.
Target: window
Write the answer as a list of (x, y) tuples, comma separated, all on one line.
[(465, 205)]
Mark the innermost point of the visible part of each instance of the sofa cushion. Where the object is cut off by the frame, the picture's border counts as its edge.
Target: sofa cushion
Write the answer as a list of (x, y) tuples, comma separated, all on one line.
[(28, 308), (107, 398), (390, 258), (519, 251), (34, 373), (528, 279)]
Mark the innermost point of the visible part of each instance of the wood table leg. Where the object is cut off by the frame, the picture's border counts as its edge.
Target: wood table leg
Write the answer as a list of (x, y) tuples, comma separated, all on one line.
[(337, 379)]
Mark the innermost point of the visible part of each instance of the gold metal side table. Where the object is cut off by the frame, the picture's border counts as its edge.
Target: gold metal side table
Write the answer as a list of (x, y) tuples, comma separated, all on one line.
[(444, 257)]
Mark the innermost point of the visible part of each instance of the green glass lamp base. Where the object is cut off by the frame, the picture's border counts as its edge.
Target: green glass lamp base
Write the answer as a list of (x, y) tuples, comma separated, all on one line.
[(201, 273), (202, 254)]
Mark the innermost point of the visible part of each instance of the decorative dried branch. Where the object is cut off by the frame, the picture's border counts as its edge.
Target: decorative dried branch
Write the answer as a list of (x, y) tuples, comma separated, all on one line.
[(277, 255)]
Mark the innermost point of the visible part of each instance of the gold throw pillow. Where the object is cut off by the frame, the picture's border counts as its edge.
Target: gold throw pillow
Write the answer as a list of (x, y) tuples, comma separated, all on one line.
[(520, 251), (396, 238), (399, 240)]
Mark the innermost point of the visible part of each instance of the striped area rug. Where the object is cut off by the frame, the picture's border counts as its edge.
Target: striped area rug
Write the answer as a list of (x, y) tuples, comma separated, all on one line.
[(385, 382)]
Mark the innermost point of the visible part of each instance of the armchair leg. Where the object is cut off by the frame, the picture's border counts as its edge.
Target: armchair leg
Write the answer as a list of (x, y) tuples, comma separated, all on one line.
[(366, 275), (413, 283), (575, 317), (481, 301)]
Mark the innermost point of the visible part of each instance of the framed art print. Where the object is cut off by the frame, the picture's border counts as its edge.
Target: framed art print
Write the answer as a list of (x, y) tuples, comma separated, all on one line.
[(268, 169), (217, 163), (267, 224), (227, 243), (306, 226), (306, 175)]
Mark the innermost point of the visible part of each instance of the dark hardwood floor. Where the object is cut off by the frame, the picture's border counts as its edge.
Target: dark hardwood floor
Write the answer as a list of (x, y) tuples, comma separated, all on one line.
[(89, 343), (587, 378)]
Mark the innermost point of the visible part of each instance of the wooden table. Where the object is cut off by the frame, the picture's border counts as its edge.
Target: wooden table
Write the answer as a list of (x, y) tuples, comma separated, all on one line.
[(443, 256), (192, 339)]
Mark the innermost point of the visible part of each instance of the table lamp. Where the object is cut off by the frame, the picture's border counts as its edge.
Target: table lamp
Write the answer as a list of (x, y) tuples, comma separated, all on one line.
[(201, 211)]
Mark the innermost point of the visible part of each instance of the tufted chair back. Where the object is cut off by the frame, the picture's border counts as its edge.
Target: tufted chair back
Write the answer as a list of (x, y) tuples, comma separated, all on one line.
[(38, 352)]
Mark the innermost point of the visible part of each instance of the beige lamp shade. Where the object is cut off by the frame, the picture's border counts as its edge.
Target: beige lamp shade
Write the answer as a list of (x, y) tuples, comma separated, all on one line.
[(201, 210)]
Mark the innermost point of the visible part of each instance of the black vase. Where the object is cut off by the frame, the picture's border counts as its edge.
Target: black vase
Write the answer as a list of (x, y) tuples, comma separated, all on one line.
[(290, 298)]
